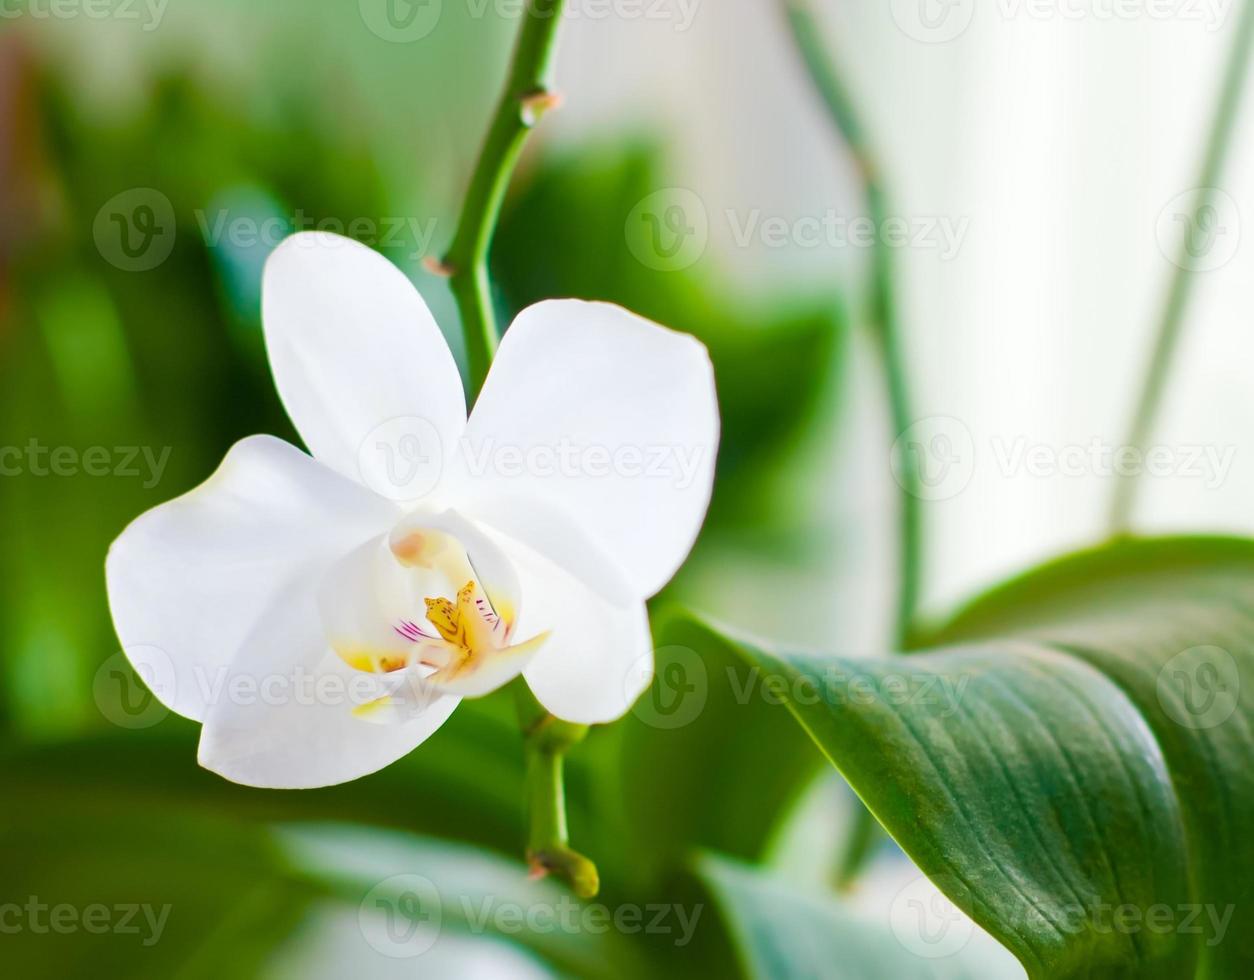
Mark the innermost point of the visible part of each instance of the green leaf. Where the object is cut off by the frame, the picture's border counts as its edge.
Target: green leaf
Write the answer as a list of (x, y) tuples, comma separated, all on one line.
[(1072, 762), (201, 892), (471, 891), (782, 932), (108, 888)]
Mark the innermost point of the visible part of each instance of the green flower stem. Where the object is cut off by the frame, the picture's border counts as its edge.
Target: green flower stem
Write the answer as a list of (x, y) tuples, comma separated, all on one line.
[(882, 312), (524, 100), (1178, 293), (546, 740), (865, 832)]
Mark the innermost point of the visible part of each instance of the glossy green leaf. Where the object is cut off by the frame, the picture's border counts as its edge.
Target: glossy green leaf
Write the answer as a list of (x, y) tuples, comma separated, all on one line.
[(1072, 761), (466, 891), (782, 932)]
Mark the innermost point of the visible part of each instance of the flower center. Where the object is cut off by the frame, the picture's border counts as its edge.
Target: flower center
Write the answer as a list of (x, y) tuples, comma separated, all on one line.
[(439, 606)]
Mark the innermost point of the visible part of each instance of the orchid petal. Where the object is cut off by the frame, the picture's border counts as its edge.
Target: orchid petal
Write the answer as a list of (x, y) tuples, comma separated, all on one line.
[(192, 577), (287, 715), (608, 417), (360, 364), (589, 667)]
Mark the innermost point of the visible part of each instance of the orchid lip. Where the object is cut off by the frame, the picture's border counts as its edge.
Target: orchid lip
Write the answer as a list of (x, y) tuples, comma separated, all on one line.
[(434, 596), (408, 630)]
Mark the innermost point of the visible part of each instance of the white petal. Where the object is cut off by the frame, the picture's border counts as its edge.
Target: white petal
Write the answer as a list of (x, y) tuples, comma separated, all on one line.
[(589, 668), (545, 528), (498, 669), (284, 718), (364, 372), (608, 417), (366, 597), (192, 577)]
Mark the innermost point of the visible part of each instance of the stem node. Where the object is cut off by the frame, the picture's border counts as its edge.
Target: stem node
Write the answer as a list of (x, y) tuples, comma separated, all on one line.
[(536, 103)]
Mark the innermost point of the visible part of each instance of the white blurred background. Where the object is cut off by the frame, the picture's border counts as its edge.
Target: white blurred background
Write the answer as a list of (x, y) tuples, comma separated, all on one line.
[(1057, 139)]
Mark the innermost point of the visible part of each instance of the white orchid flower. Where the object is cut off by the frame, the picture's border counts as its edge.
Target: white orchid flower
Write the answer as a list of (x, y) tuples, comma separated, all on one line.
[(321, 616)]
